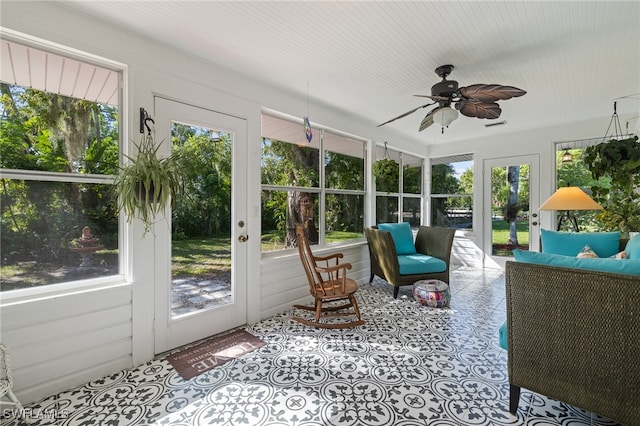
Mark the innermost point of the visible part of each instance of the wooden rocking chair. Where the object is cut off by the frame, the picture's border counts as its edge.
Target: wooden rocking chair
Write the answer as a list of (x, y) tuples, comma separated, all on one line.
[(328, 283)]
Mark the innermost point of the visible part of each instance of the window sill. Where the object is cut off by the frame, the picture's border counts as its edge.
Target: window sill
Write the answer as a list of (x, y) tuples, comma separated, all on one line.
[(332, 247), (14, 297)]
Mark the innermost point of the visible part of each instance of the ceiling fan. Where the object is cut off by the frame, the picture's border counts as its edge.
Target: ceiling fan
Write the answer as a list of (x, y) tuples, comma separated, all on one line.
[(477, 100)]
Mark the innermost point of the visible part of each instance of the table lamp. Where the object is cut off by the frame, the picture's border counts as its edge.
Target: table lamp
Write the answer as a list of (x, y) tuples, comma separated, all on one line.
[(570, 198)]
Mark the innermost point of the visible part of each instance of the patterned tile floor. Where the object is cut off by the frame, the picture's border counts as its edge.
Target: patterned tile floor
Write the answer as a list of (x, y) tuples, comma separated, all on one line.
[(408, 366)]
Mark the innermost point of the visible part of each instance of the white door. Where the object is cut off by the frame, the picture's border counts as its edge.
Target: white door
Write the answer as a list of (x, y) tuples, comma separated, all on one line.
[(201, 285), (511, 217)]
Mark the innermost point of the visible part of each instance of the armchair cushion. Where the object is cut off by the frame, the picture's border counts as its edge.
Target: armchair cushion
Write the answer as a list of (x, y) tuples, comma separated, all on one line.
[(402, 237), (411, 264)]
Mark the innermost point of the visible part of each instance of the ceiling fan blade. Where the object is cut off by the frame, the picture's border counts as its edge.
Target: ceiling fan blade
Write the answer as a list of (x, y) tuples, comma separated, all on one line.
[(405, 114), (435, 98), (428, 119), (490, 92), (488, 110)]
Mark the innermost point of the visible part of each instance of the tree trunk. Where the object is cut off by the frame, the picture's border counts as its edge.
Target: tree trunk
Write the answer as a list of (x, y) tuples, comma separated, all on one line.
[(513, 178)]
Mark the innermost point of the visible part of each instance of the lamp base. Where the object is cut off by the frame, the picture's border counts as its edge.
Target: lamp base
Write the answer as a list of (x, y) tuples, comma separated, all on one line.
[(570, 218)]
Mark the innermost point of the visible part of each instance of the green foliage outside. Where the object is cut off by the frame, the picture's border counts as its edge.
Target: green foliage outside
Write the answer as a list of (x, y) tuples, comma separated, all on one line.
[(290, 169), (576, 173), (39, 220), (201, 258), (615, 169), (387, 175)]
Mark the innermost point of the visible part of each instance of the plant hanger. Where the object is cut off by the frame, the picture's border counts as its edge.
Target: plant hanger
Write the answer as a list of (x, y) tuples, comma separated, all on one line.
[(144, 118)]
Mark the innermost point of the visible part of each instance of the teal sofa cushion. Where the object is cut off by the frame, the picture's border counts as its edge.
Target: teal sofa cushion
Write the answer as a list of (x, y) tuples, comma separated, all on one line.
[(618, 266), (633, 248), (402, 236), (605, 244), (412, 264)]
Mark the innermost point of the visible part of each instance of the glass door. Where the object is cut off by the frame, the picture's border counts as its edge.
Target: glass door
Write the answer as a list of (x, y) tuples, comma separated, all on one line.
[(511, 217), (202, 290)]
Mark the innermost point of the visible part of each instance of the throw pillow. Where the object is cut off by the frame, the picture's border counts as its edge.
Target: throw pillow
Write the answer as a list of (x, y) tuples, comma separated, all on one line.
[(587, 252), (633, 248), (402, 236), (621, 255)]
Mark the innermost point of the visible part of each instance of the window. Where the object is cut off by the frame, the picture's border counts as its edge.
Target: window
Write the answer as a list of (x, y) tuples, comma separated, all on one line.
[(452, 192), (572, 170), (398, 198), (319, 183), (59, 149)]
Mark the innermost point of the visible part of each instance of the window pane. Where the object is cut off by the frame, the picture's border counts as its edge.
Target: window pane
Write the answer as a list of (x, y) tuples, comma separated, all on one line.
[(55, 232), (62, 225), (411, 174), (573, 171), (281, 211), (343, 162), (49, 132), (452, 212), (411, 210), (288, 159), (386, 209), (287, 164), (344, 217)]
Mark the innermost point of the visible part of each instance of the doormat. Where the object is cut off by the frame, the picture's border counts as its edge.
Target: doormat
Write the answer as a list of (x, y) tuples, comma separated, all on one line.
[(196, 360)]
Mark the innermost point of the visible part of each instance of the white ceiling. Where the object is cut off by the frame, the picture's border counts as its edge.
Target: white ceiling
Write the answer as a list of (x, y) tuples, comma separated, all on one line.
[(573, 58)]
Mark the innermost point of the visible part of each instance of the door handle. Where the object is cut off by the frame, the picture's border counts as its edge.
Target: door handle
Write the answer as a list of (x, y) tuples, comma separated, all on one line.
[(243, 238)]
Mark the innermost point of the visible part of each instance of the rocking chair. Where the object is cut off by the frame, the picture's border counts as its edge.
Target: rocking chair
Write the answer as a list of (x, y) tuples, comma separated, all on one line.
[(328, 283)]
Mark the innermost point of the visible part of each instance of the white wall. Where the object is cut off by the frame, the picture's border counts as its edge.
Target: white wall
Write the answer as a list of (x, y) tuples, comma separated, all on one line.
[(66, 340)]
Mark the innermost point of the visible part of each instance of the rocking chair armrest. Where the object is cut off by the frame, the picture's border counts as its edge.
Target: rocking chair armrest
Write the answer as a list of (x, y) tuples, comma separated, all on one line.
[(328, 257), (333, 268)]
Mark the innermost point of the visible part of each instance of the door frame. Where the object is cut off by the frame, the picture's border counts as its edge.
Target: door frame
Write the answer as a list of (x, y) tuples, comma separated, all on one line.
[(171, 332), (533, 160)]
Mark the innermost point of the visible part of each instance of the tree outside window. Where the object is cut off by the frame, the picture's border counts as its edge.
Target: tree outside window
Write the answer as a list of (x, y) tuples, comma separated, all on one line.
[(452, 192), (58, 218), (319, 184), (399, 199)]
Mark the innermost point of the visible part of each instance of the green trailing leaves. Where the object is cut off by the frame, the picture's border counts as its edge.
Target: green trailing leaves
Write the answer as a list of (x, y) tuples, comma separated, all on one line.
[(616, 167), (147, 185), (387, 173)]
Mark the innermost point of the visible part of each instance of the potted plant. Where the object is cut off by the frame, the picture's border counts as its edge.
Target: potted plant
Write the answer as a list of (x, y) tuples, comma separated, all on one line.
[(148, 184), (387, 174), (616, 167)]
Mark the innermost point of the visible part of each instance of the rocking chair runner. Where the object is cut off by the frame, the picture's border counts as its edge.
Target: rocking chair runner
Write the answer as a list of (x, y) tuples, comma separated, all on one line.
[(327, 283)]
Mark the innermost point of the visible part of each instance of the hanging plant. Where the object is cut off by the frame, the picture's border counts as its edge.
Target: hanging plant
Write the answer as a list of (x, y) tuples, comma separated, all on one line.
[(616, 167), (387, 174), (148, 184)]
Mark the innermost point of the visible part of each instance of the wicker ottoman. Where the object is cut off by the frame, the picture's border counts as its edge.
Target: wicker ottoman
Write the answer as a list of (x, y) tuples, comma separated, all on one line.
[(433, 293)]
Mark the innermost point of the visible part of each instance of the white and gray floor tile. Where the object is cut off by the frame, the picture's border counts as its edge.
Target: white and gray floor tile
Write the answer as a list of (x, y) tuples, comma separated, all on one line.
[(409, 365)]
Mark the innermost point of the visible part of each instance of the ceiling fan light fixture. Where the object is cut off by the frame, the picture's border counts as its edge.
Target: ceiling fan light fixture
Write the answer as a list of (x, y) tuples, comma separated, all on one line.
[(445, 116)]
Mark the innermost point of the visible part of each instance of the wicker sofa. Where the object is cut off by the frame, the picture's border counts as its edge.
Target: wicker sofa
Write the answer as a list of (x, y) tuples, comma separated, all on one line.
[(574, 336)]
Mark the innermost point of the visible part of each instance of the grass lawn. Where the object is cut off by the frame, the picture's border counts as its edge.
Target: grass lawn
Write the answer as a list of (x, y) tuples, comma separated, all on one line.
[(201, 258), (500, 232), (500, 237)]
